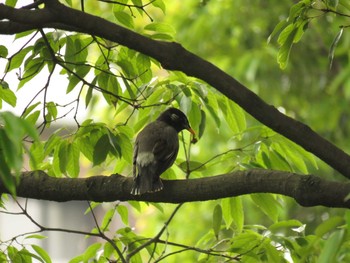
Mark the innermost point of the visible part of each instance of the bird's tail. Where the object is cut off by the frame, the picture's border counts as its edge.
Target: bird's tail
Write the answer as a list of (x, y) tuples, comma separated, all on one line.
[(146, 184)]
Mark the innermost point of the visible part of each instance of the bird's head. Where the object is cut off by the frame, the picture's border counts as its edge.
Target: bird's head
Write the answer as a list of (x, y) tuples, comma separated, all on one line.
[(176, 119)]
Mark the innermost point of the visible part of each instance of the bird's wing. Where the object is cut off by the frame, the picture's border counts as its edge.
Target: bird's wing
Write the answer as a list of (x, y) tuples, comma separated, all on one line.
[(165, 150), (136, 148)]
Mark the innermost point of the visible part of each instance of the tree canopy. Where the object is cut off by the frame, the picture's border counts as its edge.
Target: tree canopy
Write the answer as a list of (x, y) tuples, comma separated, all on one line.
[(264, 85)]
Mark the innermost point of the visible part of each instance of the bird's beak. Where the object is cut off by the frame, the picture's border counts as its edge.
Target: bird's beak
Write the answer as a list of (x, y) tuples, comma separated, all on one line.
[(194, 139), (191, 131)]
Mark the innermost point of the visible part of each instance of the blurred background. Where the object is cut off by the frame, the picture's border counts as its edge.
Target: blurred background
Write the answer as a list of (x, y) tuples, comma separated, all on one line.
[(234, 36)]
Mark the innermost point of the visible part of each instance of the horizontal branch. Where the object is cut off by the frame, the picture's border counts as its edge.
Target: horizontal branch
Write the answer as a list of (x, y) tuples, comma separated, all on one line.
[(36, 17), (173, 56), (307, 190)]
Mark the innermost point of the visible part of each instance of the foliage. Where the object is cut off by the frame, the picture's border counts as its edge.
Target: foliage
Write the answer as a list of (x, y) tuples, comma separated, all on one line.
[(122, 90)]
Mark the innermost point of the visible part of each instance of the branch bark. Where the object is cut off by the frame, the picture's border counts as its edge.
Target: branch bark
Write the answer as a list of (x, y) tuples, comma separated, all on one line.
[(173, 56), (307, 190)]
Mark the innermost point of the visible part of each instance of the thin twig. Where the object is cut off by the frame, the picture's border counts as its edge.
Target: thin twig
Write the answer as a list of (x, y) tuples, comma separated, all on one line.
[(156, 237)]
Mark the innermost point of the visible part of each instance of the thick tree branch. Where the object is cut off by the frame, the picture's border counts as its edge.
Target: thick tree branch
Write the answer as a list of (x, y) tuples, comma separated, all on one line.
[(36, 17), (174, 57), (307, 190)]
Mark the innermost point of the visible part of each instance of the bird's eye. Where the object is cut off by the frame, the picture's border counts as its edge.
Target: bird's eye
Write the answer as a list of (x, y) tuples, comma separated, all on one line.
[(174, 117)]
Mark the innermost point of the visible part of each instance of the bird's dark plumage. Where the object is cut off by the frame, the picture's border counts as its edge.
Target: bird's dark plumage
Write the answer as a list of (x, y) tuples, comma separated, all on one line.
[(155, 150)]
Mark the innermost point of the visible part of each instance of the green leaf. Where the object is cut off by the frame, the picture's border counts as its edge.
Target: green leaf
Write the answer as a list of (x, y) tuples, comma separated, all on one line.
[(11, 3), (42, 253), (191, 166), (108, 250), (232, 211), (91, 207), (91, 252), (160, 4), (63, 156), (17, 60), (11, 151), (301, 27), (81, 52), (70, 51), (202, 124), (227, 211), (101, 149), (77, 259), (33, 118), (169, 174), (290, 157), (156, 95), (88, 96), (73, 82), (3, 51), (51, 111), (129, 90), (332, 4), (124, 213), (107, 219), (124, 18), (53, 142), (80, 72), (87, 142), (8, 96), (26, 33), (32, 68), (73, 165), (161, 28), (238, 213), (296, 154), (334, 45), (143, 62), (116, 144), (36, 155), (127, 67), (331, 247), (296, 10), (268, 204), (69, 2), (135, 205), (277, 29), (29, 109), (285, 39), (137, 3), (60, 158), (35, 236), (235, 117), (12, 133), (245, 242), (194, 116), (276, 160), (12, 253), (329, 225), (29, 129), (217, 219), (287, 224), (119, 7), (144, 67), (273, 254), (16, 128), (214, 114), (125, 147), (6, 177)]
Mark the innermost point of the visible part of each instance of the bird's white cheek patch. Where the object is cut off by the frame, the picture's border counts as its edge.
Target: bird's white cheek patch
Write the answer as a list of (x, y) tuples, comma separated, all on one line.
[(145, 158)]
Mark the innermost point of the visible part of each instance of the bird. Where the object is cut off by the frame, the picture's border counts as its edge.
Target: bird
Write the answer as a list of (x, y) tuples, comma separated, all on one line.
[(155, 150)]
